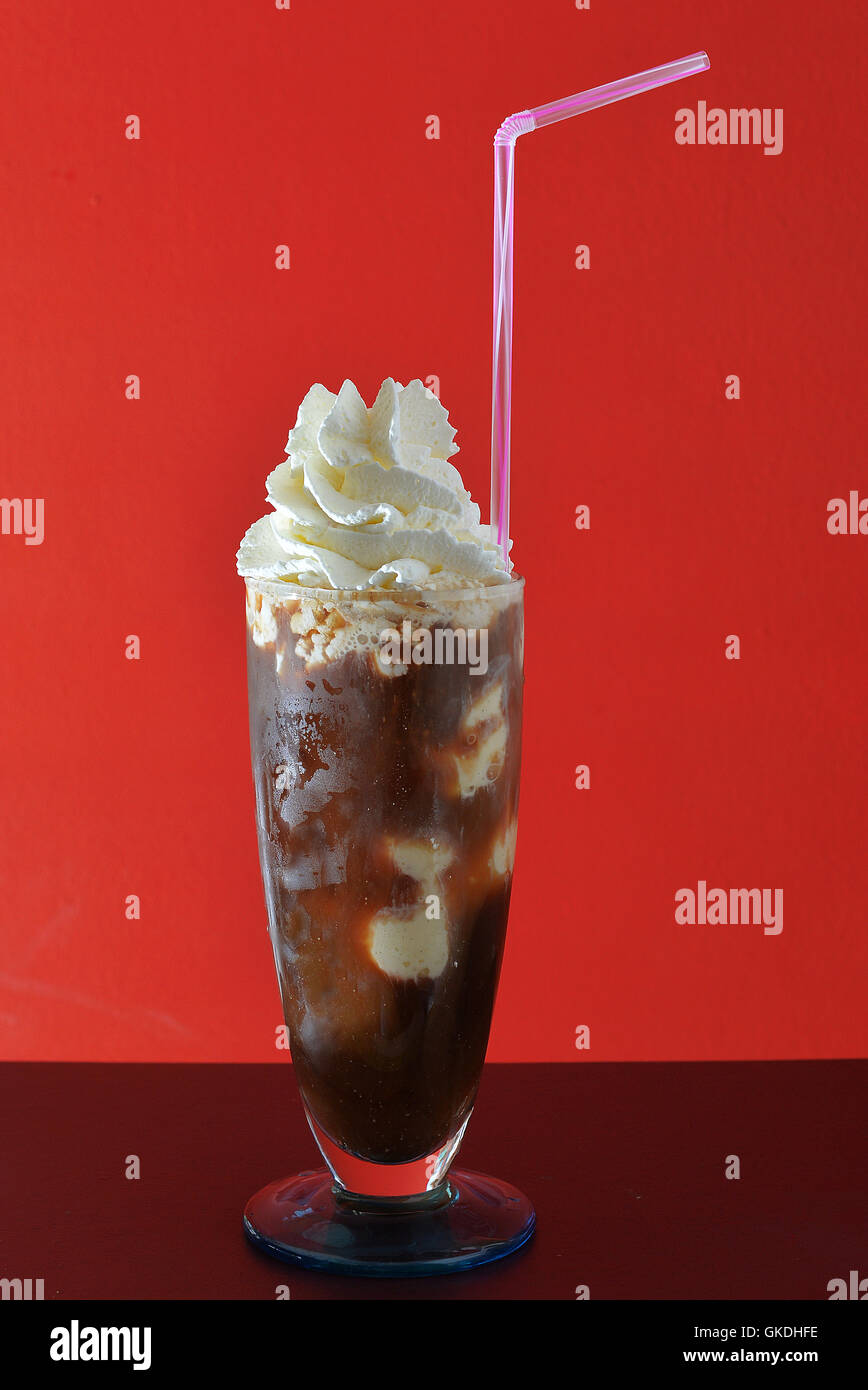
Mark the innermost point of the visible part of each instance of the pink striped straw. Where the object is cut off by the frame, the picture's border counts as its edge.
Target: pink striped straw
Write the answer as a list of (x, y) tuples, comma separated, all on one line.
[(504, 164)]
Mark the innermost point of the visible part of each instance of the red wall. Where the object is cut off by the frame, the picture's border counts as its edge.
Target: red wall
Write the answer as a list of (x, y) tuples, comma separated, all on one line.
[(708, 516)]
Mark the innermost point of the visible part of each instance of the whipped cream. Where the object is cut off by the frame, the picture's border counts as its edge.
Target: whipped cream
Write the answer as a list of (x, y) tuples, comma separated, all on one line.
[(367, 499)]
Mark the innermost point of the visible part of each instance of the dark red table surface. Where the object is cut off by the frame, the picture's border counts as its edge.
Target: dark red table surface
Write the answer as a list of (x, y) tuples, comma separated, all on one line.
[(625, 1164)]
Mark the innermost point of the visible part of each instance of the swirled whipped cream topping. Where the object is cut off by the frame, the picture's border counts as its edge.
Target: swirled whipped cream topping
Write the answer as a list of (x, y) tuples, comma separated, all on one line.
[(367, 499)]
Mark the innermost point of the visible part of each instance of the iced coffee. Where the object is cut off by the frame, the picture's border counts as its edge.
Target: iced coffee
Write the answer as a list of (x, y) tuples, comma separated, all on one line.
[(385, 682)]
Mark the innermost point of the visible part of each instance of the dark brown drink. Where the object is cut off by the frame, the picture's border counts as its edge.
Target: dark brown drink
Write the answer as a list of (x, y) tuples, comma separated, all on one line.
[(387, 774)]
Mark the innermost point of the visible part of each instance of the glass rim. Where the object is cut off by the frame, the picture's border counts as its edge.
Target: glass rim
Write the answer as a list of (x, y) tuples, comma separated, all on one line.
[(288, 588)]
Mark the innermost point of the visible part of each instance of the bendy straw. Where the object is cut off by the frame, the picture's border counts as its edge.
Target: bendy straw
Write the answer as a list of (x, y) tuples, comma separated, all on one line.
[(504, 163)]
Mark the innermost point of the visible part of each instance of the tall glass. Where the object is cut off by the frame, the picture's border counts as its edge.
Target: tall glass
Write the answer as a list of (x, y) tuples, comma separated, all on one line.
[(385, 733)]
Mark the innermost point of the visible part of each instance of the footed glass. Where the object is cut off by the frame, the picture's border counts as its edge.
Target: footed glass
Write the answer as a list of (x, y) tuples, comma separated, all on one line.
[(385, 733)]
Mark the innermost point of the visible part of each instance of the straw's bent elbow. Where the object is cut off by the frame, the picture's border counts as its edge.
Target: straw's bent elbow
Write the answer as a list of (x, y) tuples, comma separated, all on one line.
[(519, 124)]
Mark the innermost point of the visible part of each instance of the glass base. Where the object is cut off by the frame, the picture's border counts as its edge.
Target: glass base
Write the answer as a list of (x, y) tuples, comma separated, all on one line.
[(470, 1220)]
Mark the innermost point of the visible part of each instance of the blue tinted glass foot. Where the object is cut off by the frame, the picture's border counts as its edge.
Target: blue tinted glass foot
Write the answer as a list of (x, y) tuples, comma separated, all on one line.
[(471, 1220)]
